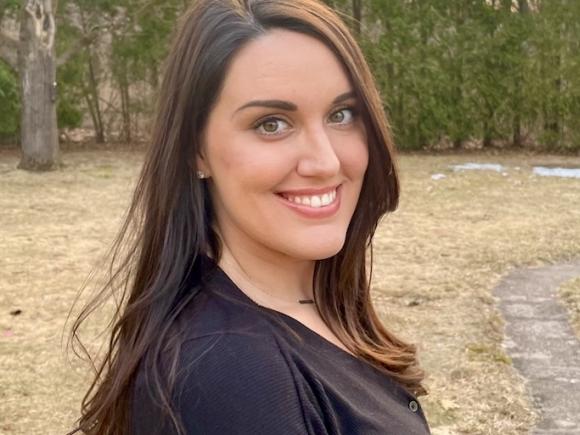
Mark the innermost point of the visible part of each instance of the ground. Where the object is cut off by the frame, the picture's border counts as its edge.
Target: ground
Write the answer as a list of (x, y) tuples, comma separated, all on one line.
[(437, 259), (570, 295), (542, 344)]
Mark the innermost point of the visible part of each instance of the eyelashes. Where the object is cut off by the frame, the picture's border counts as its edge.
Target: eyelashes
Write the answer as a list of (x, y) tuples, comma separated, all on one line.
[(276, 126)]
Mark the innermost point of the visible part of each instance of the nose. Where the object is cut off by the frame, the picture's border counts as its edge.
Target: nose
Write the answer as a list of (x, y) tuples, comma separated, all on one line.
[(319, 158)]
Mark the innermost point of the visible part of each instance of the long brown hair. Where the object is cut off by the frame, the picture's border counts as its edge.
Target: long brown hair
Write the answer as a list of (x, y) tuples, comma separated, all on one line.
[(169, 223)]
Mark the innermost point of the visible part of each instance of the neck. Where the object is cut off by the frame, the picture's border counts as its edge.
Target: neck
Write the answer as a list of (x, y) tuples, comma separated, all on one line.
[(270, 280)]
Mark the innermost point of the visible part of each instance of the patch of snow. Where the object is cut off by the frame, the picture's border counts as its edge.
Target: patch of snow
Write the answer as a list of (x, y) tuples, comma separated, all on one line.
[(478, 166), (557, 172), (438, 176)]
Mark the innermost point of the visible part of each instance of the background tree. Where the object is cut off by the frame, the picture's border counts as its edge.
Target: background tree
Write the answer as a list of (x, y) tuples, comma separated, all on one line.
[(32, 55), (117, 74), (453, 73), (9, 103)]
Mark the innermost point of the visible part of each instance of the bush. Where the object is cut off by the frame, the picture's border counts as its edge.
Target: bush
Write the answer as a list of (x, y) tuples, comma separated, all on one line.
[(9, 103)]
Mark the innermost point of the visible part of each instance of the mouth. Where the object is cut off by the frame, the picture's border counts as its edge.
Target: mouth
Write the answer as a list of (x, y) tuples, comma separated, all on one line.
[(320, 200)]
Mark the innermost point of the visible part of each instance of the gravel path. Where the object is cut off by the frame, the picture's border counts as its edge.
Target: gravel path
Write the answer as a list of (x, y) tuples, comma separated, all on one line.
[(542, 344)]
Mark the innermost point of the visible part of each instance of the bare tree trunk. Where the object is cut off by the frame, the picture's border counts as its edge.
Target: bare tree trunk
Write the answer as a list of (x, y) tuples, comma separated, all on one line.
[(357, 15), (125, 104), (517, 138), (93, 91), (507, 5), (37, 65), (556, 113), (488, 125)]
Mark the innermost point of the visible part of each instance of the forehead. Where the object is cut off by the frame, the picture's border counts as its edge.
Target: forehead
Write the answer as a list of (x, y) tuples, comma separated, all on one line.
[(286, 65)]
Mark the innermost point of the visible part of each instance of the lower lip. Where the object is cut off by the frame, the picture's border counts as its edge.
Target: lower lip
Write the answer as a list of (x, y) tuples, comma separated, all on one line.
[(311, 212)]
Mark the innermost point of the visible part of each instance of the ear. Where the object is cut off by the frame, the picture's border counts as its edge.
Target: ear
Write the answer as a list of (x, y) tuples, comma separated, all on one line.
[(201, 163)]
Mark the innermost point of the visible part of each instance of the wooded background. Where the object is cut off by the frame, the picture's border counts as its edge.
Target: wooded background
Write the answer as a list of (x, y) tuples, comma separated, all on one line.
[(453, 73)]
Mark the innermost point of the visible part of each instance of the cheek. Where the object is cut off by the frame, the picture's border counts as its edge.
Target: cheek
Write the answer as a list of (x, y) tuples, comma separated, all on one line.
[(250, 167), (355, 157)]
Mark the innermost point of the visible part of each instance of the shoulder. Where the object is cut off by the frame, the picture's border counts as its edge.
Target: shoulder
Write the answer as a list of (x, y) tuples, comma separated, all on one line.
[(234, 382), (244, 363), (247, 343), (231, 375)]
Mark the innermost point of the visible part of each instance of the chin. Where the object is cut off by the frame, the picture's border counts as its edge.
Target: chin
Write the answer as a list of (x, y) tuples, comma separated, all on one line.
[(321, 250)]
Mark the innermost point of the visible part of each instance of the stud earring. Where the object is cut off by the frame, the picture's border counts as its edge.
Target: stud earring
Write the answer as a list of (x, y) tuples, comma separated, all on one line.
[(201, 175)]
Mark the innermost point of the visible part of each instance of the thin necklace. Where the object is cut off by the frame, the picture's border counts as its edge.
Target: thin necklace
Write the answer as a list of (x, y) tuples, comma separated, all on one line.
[(253, 286)]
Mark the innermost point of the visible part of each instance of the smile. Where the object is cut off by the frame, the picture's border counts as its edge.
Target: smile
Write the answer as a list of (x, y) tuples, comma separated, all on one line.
[(317, 204), (313, 201)]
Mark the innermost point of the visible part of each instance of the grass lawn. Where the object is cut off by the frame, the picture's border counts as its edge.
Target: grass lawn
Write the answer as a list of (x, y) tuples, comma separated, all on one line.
[(437, 259)]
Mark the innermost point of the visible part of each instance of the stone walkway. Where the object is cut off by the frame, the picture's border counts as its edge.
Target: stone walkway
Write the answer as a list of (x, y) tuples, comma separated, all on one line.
[(542, 344)]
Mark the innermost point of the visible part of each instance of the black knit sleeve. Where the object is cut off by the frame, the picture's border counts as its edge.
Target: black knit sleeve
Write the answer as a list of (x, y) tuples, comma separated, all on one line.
[(235, 384)]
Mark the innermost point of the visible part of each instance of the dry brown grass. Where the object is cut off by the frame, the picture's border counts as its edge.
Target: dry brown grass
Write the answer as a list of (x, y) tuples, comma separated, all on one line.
[(437, 259), (570, 294)]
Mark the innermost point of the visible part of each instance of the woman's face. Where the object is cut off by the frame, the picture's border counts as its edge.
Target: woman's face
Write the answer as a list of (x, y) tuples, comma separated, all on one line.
[(285, 149)]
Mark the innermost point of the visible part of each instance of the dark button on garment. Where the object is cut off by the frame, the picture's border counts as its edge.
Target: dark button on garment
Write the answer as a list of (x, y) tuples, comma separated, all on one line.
[(413, 406)]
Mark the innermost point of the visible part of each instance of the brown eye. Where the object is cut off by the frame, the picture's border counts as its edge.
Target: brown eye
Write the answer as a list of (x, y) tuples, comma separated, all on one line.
[(343, 116), (337, 117), (271, 127)]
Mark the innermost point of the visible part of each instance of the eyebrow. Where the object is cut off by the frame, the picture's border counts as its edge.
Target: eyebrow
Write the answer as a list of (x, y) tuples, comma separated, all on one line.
[(288, 106)]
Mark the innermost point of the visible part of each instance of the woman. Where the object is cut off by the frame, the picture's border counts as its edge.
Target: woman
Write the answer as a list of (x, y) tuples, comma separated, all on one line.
[(248, 308)]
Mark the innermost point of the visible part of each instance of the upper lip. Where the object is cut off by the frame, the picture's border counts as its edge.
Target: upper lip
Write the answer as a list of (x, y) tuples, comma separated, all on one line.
[(310, 191)]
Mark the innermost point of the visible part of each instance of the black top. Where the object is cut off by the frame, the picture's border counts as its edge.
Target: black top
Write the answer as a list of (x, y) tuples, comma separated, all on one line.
[(243, 372)]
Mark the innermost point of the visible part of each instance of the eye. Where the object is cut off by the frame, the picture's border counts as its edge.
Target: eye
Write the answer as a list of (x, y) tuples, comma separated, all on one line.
[(271, 126), (343, 116)]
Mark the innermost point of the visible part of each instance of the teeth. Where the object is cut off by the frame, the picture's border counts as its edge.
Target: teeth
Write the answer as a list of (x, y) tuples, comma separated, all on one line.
[(314, 201)]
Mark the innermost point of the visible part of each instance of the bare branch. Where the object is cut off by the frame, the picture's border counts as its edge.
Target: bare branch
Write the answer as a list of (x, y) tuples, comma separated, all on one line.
[(9, 50), (9, 41), (66, 56), (82, 43)]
